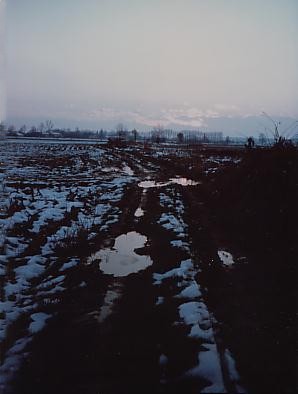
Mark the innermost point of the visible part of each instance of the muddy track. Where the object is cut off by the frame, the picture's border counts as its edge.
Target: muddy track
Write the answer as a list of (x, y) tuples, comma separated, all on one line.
[(122, 353), (134, 333)]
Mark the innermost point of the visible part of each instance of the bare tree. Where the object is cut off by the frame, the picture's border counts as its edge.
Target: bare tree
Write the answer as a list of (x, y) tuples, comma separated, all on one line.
[(121, 131), (2, 129), (280, 138), (102, 134), (262, 139), (41, 127), (157, 134), (23, 129), (134, 134), (11, 129), (180, 138), (33, 129), (49, 125)]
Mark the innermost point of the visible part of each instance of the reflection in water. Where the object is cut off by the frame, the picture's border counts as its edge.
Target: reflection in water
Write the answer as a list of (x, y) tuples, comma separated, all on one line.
[(139, 212), (112, 294), (177, 181), (147, 184), (122, 259), (183, 181)]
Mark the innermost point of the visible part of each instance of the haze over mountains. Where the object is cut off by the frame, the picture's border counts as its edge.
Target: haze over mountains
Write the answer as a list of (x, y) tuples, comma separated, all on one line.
[(232, 125), (214, 65)]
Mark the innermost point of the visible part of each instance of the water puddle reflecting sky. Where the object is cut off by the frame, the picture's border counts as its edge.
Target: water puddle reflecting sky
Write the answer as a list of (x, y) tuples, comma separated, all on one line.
[(139, 212), (178, 181), (122, 260)]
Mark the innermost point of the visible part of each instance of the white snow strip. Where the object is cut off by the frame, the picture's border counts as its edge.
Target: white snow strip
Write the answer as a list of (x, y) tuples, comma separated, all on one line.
[(191, 291), (13, 359), (233, 373), (170, 222), (184, 271), (69, 264), (38, 322), (193, 312), (209, 368)]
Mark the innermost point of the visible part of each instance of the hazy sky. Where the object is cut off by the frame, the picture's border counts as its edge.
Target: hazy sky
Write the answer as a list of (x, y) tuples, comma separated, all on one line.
[(2, 62), (144, 62)]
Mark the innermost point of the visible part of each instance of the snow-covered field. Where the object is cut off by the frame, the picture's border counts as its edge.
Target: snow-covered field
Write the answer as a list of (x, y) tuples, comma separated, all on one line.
[(51, 196), (59, 203)]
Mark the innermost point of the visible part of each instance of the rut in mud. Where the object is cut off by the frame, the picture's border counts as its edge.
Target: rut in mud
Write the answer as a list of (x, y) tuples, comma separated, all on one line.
[(153, 325)]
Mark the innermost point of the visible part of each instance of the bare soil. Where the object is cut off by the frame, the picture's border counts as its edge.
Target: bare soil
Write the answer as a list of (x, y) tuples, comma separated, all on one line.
[(252, 303)]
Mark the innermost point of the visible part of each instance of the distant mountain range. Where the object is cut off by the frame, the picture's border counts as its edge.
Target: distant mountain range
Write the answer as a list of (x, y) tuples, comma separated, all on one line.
[(232, 126)]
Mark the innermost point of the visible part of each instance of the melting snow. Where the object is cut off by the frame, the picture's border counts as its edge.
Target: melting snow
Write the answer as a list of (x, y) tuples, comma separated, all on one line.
[(39, 322), (226, 258), (209, 368), (178, 181), (128, 170), (184, 271), (191, 291)]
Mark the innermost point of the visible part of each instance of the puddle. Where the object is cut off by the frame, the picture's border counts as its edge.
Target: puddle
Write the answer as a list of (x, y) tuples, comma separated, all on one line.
[(148, 184), (183, 181), (226, 258), (122, 259), (139, 212), (178, 181)]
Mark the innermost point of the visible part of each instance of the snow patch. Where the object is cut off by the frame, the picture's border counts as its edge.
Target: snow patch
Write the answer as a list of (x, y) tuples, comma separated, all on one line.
[(209, 368), (226, 258), (184, 271), (191, 291), (38, 322)]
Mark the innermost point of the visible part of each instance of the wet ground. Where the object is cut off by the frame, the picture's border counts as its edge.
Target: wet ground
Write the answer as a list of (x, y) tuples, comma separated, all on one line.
[(104, 272)]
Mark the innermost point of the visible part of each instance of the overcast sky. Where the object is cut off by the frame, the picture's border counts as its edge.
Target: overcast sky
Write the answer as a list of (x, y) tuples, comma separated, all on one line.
[(172, 62)]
